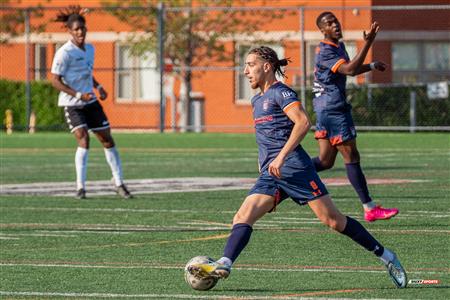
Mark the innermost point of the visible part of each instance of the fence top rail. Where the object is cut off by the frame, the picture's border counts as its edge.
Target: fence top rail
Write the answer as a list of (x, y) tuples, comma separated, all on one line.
[(243, 8)]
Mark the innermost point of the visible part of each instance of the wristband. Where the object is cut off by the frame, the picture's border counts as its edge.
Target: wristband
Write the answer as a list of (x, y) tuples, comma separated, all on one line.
[(372, 65), (78, 95), (99, 86)]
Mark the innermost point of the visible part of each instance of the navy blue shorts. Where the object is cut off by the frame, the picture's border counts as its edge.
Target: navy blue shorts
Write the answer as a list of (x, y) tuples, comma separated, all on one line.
[(336, 126), (299, 180)]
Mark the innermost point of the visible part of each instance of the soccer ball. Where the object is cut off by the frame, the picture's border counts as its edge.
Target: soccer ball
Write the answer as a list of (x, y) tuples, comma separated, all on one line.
[(199, 284)]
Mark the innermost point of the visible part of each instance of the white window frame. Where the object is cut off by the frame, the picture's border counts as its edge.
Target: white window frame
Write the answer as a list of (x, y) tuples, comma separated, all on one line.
[(40, 61), (136, 79), (421, 74)]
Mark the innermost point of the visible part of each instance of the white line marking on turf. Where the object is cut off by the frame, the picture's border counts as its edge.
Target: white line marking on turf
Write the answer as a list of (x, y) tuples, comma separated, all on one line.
[(162, 185), (172, 296), (322, 269)]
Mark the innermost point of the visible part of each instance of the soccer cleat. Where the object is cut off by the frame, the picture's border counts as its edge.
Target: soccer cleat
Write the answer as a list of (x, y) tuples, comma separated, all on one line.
[(379, 213), (123, 191), (212, 269), (81, 194), (397, 273)]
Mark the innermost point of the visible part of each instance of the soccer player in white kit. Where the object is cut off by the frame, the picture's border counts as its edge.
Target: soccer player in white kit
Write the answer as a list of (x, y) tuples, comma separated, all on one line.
[(72, 75)]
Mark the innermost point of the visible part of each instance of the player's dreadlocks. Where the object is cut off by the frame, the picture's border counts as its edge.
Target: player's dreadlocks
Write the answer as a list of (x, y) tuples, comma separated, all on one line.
[(269, 55), (71, 14)]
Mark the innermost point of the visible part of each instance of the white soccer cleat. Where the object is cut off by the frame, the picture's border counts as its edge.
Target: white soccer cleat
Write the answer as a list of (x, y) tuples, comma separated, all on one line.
[(210, 269), (397, 273)]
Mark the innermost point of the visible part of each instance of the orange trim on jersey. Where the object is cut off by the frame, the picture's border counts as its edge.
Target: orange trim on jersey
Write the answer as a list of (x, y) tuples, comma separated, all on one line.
[(337, 64), (291, 105), (335, 140), (330, 43), (320, 134)]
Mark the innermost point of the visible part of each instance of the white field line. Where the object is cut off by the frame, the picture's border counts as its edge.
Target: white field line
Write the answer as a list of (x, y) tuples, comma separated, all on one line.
[(173, 296), (250, 269), (106, 228), (161, 185), (432, 214)]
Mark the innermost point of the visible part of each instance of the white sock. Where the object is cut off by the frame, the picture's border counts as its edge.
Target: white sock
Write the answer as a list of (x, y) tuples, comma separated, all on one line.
[(369, 206), (387, 256), (81, 158), (113, 159), (225, 260)]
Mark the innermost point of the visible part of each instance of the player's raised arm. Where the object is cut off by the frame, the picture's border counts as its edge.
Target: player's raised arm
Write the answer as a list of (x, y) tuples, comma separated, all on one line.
[(356, 66)]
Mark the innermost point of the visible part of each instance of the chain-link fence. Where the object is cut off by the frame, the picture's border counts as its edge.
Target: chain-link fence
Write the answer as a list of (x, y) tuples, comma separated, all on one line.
[(180, 68)]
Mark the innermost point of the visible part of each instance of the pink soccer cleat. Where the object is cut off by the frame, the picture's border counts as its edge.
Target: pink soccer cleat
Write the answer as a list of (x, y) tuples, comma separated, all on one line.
[(379, 213)]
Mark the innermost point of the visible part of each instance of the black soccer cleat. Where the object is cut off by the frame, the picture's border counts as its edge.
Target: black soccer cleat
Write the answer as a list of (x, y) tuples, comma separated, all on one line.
[(123, 192), (81, 194)]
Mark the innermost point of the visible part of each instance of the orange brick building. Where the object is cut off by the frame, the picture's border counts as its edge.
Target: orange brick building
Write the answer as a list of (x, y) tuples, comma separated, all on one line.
[(415, 43)]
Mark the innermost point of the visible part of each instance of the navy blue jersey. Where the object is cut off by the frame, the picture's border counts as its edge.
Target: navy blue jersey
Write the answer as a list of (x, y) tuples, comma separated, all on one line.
[(273, 126), (329, 84)]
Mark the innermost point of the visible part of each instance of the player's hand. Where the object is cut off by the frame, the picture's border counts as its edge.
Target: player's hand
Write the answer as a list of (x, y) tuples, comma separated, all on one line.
[(380, 66), (275, 167), (87, 96), (103, 93), (372, 33)]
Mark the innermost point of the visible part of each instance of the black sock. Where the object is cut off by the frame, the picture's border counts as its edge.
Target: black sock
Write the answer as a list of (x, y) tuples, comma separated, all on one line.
[(358, 181), (359, 234), (238, 239)]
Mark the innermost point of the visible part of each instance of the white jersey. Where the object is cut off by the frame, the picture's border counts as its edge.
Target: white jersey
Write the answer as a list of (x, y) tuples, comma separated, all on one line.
[(75, 67)]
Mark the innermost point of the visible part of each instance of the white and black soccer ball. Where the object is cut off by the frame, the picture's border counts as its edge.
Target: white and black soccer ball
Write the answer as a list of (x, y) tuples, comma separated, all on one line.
[(199, 284)]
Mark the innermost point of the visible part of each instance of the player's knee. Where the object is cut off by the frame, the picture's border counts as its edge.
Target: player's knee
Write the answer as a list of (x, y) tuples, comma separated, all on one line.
[(326, 163), (333, 221)]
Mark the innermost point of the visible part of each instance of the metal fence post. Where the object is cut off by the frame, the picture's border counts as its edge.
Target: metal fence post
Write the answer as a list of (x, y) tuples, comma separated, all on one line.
[(162, 99), (412, 111), (303, 57), (27, 68)]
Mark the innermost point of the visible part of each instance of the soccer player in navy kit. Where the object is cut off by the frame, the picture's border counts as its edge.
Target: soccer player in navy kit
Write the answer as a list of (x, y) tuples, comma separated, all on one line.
[(72, 76), (286, 170), (335, 131)]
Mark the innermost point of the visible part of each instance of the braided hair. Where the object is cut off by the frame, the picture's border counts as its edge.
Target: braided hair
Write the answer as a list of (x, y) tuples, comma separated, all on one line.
[(70, 15), (269, 55)]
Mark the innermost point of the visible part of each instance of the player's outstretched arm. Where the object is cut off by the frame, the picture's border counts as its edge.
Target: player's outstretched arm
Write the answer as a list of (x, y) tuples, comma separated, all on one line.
[(355, 66)]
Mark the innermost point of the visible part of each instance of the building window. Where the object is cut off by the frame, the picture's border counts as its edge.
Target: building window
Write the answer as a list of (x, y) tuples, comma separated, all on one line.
[(350, 46), (137, 77), (40, 62), (420, 62), (244, 92)]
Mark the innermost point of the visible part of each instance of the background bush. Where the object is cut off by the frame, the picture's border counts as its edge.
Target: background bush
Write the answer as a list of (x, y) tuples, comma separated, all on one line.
[(44, 103)]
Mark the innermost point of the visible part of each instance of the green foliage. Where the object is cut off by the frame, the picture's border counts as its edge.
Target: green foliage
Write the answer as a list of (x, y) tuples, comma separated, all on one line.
[(390, 106), (12, 20), (44, 101)]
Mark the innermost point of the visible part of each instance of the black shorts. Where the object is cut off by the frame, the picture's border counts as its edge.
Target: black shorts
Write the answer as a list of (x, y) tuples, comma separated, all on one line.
[(91, 116)]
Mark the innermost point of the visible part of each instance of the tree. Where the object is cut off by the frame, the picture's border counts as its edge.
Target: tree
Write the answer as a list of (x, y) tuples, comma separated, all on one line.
[(193, 31), (12, 20)]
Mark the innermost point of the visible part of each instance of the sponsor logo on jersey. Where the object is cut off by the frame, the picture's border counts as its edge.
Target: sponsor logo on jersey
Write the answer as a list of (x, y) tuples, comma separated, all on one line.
[(263, 119), (287, 94)]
